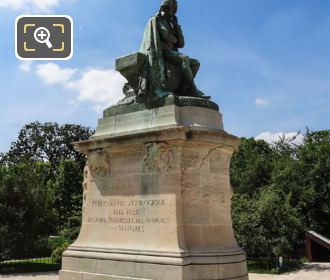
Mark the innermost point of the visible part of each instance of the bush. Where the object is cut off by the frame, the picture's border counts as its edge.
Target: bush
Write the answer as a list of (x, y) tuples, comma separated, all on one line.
[(56, 242), (58, 252), (266, 226)]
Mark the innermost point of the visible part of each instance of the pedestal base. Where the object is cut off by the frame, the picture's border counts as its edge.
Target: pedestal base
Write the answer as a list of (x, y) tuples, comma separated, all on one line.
[(104, 267), (157, 199)]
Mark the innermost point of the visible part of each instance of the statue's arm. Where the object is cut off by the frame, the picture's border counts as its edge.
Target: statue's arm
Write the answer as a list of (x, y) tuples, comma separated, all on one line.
[(179, 36), (166, 35)]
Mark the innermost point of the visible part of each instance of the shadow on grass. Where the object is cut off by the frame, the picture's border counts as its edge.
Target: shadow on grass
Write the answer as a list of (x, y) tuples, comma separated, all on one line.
[(28, 266)]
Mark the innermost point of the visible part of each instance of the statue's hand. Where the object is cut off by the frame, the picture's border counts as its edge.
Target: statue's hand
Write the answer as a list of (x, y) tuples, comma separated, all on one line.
[(175, 20)]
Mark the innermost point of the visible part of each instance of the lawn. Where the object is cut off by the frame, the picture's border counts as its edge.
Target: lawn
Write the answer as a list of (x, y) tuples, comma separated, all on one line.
[(29, 265)]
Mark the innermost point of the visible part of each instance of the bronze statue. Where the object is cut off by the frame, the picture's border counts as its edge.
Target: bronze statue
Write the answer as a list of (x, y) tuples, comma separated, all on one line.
[(159, 69)]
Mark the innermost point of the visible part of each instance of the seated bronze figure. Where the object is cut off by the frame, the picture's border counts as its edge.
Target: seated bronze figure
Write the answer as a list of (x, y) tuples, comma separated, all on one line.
[(159, 69)]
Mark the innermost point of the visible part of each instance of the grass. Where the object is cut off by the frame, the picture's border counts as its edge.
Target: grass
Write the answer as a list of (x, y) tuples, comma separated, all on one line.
[(29, 265), (47, 264), (260, 266)]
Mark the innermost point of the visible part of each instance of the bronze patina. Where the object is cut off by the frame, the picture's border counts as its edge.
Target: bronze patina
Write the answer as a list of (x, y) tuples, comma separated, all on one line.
[(159, 69)]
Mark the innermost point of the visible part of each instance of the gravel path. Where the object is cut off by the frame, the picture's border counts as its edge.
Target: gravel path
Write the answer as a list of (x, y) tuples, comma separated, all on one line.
[(314, 271)]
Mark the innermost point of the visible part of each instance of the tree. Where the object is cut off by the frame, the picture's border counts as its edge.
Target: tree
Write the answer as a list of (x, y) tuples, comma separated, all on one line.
[(303, 173), (40, 187), (24, 213), (67, 197), (251, 166), (281, 190), (244, 222), (48, 142), (266, 226), (314, 161)]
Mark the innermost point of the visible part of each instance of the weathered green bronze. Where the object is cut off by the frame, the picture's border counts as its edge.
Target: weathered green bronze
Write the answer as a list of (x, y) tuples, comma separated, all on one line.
[(159, 69)]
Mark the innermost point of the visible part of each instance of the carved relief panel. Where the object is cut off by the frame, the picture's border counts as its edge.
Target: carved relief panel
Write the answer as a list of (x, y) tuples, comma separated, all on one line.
[(158, 157)]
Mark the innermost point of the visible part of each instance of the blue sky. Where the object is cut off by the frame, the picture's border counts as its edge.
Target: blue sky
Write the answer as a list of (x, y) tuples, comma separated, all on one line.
[(265, 62)]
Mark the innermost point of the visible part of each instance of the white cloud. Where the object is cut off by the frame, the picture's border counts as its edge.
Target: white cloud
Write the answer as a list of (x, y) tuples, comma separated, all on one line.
[(51, 73), (274, 137), (45, 6), (98, 108), (100, 87), (26, 66), (262, 102)]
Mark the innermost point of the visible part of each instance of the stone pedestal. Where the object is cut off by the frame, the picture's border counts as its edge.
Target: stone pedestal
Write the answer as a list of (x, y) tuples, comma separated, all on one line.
[(157, 198)]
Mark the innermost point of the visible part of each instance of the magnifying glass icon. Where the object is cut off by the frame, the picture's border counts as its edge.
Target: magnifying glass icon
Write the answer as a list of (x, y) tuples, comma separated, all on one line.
[(42, 35)]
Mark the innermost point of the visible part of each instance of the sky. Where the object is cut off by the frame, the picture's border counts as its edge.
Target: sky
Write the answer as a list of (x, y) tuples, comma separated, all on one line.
[(265, 62)]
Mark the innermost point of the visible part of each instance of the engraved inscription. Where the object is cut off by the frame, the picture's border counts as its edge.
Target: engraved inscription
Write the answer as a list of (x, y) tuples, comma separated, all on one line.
[(147, 202), (108, 203), (131, 228), (128, 215)]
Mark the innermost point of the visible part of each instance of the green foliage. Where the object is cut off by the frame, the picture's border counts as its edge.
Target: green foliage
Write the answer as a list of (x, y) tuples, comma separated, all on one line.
[(58, 245), (277, 224), (266, 226), (47, 142), (23, 209), (40, 189), (71, 229), (281, 190), (56, 241), (58, 252), (67, 196), (314, 159), (304, 174), (251, 167)]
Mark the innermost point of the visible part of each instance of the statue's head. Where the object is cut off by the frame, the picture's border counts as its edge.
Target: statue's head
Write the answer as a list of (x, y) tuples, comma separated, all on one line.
[(169, 7)]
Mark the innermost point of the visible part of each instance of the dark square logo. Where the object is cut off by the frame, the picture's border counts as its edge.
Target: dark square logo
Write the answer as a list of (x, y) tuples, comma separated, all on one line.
[(44, 37)]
